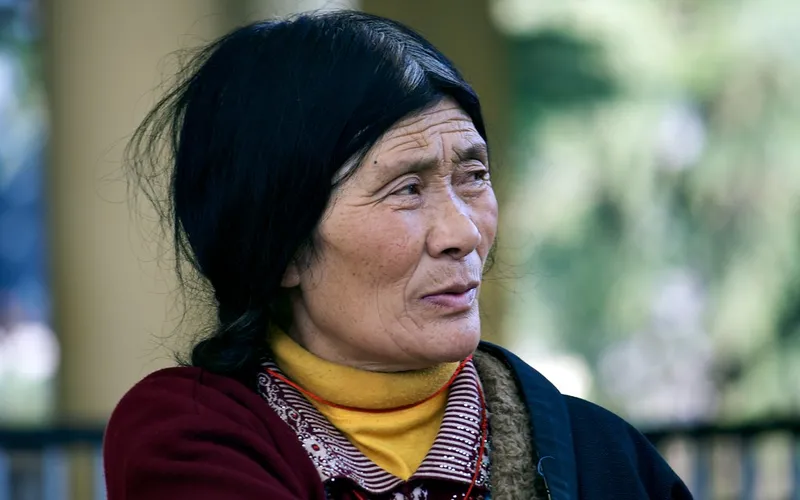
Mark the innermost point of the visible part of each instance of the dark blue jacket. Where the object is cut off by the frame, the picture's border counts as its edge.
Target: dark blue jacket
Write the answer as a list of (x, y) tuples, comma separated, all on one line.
[(584, 451)]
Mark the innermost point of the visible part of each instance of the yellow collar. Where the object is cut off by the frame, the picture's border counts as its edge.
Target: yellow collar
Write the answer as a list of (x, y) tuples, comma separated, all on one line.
[(344, 385)]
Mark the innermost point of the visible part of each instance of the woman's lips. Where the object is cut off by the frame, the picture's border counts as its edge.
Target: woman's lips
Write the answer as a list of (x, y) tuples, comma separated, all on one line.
[(454, 302)]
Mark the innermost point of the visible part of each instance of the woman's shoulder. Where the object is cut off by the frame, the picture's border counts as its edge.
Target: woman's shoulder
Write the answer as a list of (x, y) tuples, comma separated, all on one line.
[(186, 391), (584, 450), (166, 397), (609, 449), (167, 402), (164, 405), (184, 430)]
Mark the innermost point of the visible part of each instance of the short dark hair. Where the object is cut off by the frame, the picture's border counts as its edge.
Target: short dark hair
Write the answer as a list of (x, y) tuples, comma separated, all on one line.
[(254, 133)]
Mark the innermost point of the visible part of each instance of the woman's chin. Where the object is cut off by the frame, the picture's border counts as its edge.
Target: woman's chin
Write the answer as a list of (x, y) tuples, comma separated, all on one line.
[(455, 348)]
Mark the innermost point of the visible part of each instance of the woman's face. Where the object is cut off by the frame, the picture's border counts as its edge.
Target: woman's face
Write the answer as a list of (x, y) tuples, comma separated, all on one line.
[(394, 285)]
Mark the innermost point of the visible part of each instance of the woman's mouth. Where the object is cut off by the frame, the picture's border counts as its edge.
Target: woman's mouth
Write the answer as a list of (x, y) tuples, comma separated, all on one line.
[(455, 300)]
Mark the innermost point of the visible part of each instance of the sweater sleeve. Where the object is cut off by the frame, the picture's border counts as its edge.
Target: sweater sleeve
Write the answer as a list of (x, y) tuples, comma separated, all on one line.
[(175, 438)]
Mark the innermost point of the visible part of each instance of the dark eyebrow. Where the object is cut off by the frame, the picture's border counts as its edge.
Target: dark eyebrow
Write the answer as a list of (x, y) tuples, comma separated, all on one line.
[(476, 151)]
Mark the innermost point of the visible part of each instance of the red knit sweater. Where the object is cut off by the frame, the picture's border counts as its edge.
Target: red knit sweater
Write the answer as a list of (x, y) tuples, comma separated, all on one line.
[(183, 433)]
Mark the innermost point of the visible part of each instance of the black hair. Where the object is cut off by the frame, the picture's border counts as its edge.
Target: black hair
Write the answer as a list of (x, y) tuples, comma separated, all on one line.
[(250, 141)]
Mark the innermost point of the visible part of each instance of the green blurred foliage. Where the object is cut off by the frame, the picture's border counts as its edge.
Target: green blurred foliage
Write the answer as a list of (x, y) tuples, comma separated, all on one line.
[(655, 217)]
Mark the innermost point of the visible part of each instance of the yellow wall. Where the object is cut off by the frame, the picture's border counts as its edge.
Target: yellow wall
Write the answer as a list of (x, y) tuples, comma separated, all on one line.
[(103, 59)]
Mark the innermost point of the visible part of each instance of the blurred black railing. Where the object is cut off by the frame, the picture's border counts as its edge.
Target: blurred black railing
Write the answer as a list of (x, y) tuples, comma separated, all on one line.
[(752, 461), (35, 463)]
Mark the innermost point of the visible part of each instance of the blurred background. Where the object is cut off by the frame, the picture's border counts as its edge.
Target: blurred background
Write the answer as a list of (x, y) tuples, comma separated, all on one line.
[(647, 160)]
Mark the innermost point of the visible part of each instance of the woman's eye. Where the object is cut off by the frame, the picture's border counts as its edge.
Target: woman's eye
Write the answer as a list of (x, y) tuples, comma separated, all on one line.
[(482, 176), (409, 190)]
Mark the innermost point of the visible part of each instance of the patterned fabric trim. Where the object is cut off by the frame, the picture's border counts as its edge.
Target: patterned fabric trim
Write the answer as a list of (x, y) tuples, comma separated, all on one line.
[(452, 457)]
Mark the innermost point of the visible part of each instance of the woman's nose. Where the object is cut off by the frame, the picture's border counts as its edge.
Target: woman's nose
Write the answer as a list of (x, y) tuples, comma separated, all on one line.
[(453, 231)]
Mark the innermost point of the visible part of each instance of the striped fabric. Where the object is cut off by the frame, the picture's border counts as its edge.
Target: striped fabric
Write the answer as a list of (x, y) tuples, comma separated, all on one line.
[(452, 458)]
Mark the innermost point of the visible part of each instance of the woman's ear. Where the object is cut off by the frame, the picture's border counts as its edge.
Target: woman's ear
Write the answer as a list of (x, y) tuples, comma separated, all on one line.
[(291, 277)]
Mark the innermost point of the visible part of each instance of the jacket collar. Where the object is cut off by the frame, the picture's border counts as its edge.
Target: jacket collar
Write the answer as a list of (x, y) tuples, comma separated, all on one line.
[(550, 425)]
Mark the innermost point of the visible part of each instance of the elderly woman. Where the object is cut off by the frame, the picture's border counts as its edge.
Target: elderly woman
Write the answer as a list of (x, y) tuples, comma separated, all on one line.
[(329, 179)]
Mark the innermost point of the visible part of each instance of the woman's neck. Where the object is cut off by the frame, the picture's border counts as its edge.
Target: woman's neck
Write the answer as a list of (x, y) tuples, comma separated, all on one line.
[(356, 386), (341, 352)]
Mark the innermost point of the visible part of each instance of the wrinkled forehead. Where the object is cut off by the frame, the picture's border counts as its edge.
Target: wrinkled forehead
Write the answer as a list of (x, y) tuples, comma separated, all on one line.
[(418, 135), (445, 117)]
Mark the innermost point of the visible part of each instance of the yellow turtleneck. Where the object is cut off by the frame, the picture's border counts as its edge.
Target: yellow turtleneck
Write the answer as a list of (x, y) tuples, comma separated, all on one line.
[(397, 441)]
